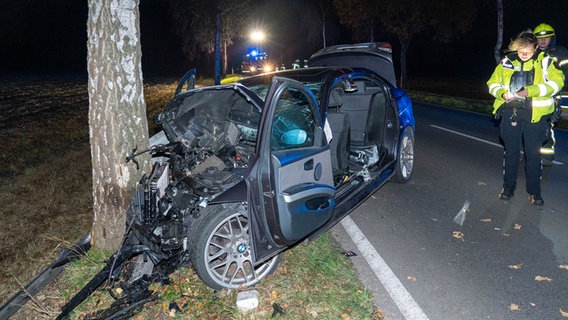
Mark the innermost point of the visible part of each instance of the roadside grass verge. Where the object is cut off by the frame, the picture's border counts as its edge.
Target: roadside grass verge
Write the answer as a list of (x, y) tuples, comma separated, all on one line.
[(465, 94), (313, 281), (480, 106), (46, 174)]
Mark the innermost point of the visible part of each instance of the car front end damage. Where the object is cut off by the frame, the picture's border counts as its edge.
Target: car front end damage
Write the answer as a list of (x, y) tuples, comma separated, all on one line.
[(197, 159)]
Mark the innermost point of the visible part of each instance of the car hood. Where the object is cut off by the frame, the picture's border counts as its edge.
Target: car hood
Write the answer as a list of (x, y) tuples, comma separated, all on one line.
[(195, 116)]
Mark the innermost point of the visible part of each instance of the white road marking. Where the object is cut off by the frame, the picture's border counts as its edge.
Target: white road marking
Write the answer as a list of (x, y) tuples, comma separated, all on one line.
[(404, 301), (478, 139), (467, 136)]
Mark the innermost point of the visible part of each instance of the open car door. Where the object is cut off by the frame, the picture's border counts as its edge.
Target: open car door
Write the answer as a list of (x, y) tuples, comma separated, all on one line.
[(187, 82), (294, 187)]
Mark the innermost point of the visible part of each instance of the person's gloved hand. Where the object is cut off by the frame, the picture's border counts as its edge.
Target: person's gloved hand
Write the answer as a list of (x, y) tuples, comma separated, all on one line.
[(523, 93), (508, 96)]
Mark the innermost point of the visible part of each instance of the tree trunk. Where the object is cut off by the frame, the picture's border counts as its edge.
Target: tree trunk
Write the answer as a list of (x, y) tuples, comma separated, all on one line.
[(225, 58), (499, 44), (117, 113), (323, 31), (218, 30), (403, 71)]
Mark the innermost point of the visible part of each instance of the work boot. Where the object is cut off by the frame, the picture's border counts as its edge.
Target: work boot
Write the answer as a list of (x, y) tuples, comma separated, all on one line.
[(506, 194), (536, 199)]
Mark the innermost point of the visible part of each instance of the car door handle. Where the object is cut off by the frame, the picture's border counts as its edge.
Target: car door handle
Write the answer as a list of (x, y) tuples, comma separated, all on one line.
[(309, 165)]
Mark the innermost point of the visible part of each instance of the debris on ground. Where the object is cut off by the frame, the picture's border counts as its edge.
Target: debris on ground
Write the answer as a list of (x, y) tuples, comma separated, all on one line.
[(247, 300)]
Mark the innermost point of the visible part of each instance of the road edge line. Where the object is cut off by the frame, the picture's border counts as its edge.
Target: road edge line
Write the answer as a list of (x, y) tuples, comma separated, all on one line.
[(480, 140), (401, 297)]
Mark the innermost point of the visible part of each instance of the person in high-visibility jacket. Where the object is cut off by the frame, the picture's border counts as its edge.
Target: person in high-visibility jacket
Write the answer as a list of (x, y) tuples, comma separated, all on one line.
[(523, 85), (546, 36)]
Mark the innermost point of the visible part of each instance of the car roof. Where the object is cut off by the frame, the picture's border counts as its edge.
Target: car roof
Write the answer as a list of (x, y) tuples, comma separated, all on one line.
[(375, 56), (311, 74)]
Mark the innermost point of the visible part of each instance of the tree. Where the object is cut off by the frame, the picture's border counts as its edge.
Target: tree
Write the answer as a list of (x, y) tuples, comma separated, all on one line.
[(289, 41), (322, 11), (499, 44), (206, 26), (405, 21), (117, 113), (360, 16), (446, 19)]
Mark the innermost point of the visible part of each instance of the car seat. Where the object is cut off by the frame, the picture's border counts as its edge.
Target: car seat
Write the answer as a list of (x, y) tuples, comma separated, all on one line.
[(340, 129)]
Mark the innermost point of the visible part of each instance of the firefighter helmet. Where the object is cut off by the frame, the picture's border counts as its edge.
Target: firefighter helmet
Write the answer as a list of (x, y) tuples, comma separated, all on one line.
[(543, 30)]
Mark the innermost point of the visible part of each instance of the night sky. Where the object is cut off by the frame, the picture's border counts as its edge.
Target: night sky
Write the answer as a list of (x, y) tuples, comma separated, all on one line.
[(49, 36)]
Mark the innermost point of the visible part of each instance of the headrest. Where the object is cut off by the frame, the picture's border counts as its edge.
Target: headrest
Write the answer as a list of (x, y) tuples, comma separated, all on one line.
[(335, 98), (360, 86)]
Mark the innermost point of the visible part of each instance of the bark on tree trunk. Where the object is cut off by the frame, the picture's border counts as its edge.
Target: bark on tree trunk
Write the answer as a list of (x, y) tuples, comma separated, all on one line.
[(499, 44), (218, 30), (225, 58), (403, 70), (323, 31), (117, 113)]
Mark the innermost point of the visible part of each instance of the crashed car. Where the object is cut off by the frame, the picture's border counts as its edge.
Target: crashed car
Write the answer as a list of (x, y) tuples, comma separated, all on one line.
[(244, 171)]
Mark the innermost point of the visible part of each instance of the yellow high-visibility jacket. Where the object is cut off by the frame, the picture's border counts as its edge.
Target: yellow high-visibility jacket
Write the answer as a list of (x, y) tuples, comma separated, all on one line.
[(548, 81)]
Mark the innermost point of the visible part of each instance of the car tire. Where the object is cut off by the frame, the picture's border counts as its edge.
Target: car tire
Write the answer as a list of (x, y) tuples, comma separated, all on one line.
[(405, 156), (221, 249)]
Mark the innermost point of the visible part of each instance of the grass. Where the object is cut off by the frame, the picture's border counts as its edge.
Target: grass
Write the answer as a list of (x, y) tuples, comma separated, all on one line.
[(453, 102), (314, 281), (46, 174), (80, 271)]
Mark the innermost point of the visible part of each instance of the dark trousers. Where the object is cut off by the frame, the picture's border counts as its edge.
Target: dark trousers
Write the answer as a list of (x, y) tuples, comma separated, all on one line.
[(528, 137)]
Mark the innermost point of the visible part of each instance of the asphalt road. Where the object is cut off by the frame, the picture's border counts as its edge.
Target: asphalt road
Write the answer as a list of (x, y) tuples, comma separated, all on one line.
[(509, 259)]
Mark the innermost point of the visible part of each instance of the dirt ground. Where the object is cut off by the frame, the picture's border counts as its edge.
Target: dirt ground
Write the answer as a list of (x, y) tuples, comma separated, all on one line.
[(45, 174)]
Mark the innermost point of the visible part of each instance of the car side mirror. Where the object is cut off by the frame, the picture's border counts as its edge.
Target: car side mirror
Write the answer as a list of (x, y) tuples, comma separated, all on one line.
[(294, 137)]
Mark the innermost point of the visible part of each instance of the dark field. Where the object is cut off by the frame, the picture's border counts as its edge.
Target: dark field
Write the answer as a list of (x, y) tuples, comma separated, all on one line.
[(46, 171)]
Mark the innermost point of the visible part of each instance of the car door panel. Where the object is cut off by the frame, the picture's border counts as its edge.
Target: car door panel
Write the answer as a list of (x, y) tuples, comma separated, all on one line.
[(304, 166), (295, 182), (303, 194)]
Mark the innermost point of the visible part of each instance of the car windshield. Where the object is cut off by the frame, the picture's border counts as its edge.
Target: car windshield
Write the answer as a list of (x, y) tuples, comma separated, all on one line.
[(260, 89)]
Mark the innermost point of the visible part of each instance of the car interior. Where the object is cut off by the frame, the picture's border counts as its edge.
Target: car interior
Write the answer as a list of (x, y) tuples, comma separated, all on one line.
[(357, 124)]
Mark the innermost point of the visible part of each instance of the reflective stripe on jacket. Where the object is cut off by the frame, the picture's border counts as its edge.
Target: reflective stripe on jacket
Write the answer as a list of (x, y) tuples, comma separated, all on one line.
[(548, 81)]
